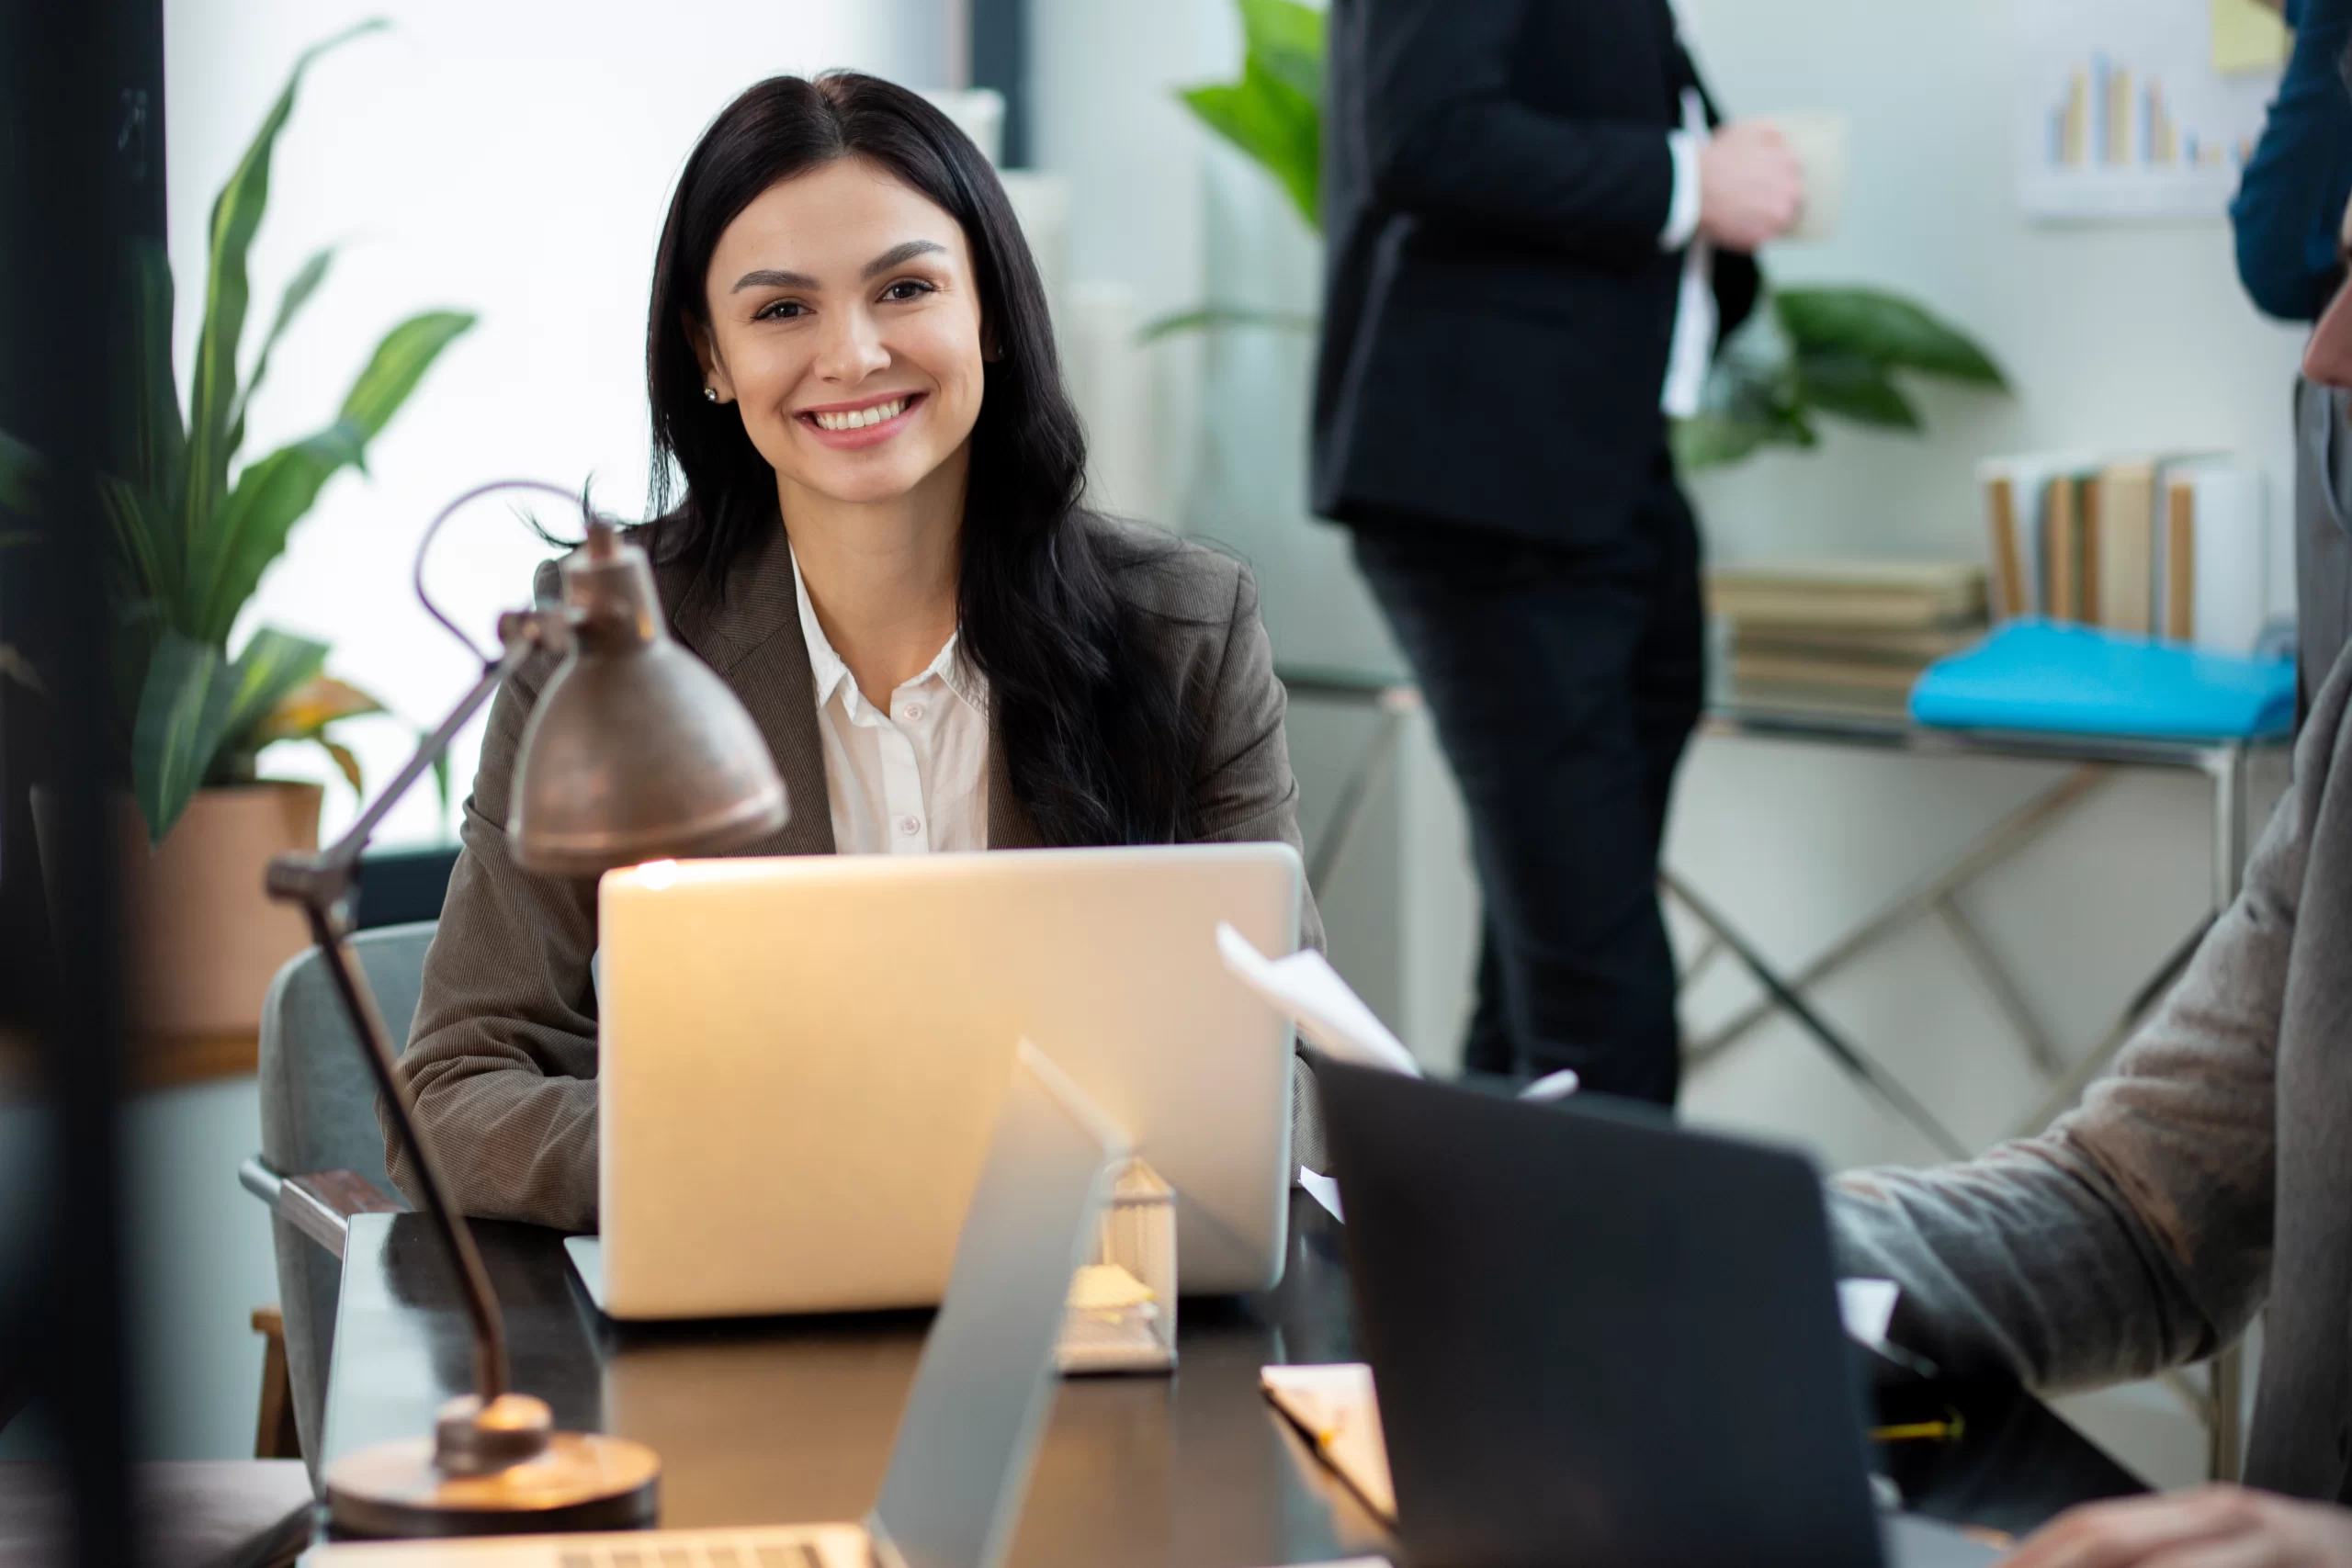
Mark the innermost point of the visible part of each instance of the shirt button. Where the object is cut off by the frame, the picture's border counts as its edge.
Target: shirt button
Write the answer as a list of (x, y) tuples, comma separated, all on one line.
[(909, 826), (912, 711)]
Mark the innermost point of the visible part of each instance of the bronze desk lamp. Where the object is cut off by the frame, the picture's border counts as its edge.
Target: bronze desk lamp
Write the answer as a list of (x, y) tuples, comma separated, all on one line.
[(636, 751)]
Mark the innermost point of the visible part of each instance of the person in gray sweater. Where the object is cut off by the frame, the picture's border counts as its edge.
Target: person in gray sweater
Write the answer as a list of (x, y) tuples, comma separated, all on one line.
[(2207, 1177)]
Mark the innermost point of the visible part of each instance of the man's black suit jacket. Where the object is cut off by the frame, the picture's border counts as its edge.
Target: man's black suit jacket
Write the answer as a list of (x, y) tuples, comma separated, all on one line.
[(1498, 311)]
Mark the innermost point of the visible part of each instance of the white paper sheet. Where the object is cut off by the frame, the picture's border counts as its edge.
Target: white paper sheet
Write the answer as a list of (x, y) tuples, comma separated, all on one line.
[(1334, 1404), (1867, 1306), (1305, 989), (1323, 1189)]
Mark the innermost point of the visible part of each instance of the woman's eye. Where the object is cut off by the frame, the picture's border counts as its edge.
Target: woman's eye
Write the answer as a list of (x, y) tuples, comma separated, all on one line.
[(782, 311), (906, 289)]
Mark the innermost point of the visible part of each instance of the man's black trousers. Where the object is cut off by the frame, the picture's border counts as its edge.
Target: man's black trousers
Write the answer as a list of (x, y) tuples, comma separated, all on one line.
[(1565, 681)]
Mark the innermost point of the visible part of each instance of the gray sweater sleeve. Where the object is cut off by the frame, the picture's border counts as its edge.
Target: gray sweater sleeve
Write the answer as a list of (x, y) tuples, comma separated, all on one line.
[(2135, 1234)]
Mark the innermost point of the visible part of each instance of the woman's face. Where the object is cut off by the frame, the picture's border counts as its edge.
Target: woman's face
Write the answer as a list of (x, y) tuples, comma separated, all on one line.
[(845, 325)]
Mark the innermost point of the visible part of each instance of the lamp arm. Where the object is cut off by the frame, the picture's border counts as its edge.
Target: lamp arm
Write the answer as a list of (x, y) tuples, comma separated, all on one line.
[(521, 636), (322, 884)]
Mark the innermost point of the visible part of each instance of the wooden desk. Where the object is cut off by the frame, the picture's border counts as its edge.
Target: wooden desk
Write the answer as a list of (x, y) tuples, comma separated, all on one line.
[(777, 1420)]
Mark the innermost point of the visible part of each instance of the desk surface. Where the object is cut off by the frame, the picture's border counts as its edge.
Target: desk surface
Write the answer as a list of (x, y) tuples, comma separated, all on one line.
[(778, 1420)]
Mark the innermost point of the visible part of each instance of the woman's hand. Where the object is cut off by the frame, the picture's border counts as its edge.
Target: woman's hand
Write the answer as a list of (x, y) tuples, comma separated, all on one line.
[(2212, 1526)]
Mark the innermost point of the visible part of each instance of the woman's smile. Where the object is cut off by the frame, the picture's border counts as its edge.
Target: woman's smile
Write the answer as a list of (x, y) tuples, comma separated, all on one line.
[(865, 423)]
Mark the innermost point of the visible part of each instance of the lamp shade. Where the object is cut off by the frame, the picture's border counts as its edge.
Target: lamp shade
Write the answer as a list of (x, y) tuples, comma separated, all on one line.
[(636, 749)]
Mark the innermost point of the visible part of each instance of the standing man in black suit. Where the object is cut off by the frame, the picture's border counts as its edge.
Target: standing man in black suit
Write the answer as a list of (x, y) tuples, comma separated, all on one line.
[(1538, 230)]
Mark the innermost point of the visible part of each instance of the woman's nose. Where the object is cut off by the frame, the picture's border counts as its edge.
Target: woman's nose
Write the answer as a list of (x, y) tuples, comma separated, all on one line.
[(851, 349)]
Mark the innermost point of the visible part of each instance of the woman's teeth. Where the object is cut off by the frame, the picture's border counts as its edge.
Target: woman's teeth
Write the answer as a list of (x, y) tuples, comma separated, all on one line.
[(858, 419)]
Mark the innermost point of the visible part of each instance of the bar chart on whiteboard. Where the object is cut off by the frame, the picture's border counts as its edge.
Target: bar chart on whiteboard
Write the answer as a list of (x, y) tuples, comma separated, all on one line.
[(2139, 108)]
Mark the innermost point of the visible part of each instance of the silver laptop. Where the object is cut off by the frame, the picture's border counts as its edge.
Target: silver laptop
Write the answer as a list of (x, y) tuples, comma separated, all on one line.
[(801, 1057), (968, 1435)]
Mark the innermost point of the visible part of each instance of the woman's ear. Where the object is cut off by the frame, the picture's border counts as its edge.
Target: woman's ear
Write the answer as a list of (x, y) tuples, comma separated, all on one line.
[(716, 386)]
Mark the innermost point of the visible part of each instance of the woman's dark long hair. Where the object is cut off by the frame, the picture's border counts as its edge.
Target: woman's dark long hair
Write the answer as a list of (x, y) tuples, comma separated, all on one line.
[(1095, 739)]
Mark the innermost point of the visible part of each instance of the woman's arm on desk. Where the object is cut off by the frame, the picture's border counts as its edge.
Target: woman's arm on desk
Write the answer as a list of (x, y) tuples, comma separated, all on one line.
[(2135, 1234), (502, 1056)]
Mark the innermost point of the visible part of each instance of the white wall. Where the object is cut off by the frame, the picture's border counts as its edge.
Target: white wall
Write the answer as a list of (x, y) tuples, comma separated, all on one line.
[(514, 160)]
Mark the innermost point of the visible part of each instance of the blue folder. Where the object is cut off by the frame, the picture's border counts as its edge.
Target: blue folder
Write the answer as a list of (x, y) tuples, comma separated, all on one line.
[(2080, 680)]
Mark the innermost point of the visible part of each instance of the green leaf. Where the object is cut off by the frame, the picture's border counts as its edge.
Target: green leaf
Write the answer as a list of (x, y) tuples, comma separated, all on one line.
[(304, 284), (1287, 38), (150, 444), (1714, 440), (347, 763), (1272, 121), (304, 712), (400, 362), (22, 474), (1211, 318), (274, 665), (272, 495), (182, 713), (137, 536), (278, 490), (1854, 387), (237, 218), (1878, 325)]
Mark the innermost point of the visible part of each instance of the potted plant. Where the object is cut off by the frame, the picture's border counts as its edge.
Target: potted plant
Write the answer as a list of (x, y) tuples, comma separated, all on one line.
[(1809, 352), (192, 528)]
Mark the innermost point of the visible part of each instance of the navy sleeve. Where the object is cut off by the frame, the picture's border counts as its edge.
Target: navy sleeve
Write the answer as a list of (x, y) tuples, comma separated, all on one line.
[(2290, 203)]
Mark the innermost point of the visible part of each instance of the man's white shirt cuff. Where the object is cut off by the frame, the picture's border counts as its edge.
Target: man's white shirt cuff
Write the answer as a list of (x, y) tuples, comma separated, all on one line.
[(1682, 210)]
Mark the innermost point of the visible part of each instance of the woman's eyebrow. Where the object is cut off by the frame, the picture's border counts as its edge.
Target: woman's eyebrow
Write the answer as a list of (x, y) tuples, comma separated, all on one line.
[(772, 277), (897, 254), (768, 278)]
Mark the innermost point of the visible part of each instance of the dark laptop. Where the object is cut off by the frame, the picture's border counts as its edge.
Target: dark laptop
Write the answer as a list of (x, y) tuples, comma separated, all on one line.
[(1598, 1338)]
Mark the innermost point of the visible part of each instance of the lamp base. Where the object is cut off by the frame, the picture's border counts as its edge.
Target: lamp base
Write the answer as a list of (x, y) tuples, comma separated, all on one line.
[(582, 1481)]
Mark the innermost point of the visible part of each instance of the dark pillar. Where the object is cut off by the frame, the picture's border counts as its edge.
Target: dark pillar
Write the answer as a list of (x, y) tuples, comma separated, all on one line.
[(81, 177), (1000, 60)]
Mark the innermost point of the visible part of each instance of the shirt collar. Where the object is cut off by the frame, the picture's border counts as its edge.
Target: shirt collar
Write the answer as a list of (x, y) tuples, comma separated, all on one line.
[(831, 673)]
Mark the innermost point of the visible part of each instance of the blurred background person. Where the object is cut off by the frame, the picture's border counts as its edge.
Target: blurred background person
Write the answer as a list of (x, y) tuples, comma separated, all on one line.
[(2287, 218), (2292, 197), (1537, 231)]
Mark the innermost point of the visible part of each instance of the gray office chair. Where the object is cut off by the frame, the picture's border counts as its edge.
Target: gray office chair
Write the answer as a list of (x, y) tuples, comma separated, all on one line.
[(322, 1153)]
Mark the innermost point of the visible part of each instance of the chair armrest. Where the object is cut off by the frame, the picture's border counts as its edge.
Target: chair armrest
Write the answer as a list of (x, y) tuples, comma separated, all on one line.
[(319, 1204)]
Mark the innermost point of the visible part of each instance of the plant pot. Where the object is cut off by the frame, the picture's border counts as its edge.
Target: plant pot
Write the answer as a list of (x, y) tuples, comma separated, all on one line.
[(202, 938)]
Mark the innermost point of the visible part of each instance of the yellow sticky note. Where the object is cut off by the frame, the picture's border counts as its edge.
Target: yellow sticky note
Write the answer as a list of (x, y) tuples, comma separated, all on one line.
[(2247, 37)]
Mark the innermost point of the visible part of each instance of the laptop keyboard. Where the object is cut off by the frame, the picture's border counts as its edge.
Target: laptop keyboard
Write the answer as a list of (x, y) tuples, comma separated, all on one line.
[(712, 1551)]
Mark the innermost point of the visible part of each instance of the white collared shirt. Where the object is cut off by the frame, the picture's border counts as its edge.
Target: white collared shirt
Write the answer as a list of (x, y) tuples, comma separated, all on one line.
[(911, 780), (1695, 315)]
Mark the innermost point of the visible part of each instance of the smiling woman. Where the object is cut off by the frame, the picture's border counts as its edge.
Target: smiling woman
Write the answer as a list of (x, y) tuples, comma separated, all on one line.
[(868, 478)]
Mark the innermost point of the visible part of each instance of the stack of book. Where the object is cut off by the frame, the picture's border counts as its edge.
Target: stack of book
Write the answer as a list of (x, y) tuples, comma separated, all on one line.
[(2172, 547), (1843, 634)]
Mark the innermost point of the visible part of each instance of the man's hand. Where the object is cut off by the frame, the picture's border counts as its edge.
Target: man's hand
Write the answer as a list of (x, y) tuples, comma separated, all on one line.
[(1751, 187), (2214, 1527)]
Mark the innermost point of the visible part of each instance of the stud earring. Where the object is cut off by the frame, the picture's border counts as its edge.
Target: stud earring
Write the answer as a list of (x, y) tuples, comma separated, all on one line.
[(710, 394)]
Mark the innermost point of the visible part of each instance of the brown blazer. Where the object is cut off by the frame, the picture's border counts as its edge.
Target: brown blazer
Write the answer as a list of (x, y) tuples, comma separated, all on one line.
[(502, 1055)]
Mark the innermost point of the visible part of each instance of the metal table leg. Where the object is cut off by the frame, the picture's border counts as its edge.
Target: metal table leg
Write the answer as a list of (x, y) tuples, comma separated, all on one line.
[(1856, 1063), (1372, 764), (2001, 840)]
